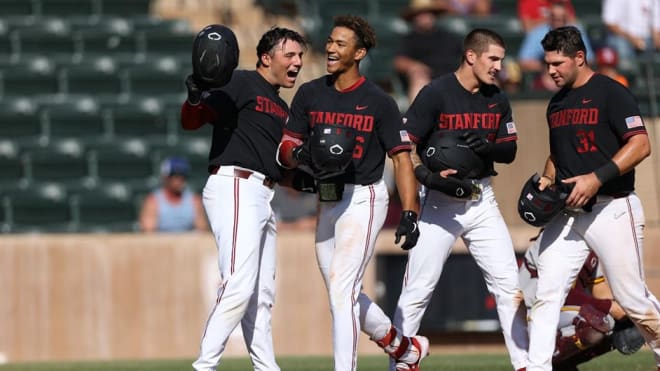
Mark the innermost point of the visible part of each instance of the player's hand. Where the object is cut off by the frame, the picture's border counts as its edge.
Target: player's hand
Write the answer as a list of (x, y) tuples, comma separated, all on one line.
[(584, 188), (194, 91), (301, 154), (544, 182), (408, 228), (477, 143)]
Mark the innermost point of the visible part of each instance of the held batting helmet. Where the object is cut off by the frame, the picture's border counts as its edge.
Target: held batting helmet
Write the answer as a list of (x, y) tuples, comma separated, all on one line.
[(449, 151), (331, 147), (214, 55), (536, 207)]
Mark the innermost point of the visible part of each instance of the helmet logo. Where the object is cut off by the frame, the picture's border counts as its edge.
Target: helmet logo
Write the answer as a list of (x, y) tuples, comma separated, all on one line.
[(430, 151), (336, 149), (460, 192), (530, 216), (214, 36)]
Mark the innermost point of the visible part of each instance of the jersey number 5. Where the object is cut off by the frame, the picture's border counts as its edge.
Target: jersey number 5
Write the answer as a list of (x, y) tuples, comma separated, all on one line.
[(587, 141), (358, 150)]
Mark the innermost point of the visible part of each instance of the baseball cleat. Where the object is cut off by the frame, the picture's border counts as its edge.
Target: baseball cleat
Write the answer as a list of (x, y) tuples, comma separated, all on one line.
[(420, 346)]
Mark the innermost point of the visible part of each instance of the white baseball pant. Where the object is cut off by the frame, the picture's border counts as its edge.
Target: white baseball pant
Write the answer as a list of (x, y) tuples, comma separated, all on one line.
[(243, 224), (480, 224), (614, 231), (345, 239)]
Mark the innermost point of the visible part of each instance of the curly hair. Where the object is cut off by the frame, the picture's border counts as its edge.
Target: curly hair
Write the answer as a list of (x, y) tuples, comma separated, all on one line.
[(364, 33)]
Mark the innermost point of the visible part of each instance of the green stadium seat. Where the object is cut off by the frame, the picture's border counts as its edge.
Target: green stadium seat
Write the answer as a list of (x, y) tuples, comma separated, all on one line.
[(163, 77), (12, 166), (105, 42), (62, 161), (98, 77), (105, 208), (37, 76), (128, 161), (66, 8), (165, 42), (81, 118), (20, 121), (46, 37), (126, 8), (107, 24), (40, 208), (151, 23), (141, 118), (17, 7), (587, 7)]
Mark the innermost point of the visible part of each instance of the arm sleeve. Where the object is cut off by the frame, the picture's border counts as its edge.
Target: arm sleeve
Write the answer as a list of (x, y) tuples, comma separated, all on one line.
[(420, 118), (626, 119), (297, 125), (390, 130), (504, 146)]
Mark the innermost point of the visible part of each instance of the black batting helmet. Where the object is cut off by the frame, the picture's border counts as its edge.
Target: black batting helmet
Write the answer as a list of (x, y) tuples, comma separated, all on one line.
[(449, 151), (214, 55), (536, 207), (331, 147)]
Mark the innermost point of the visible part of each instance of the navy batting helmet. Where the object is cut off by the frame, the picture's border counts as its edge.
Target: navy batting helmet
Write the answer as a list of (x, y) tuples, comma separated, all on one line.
[(331, 147), (449, 151), (214, 55), (536, 207)]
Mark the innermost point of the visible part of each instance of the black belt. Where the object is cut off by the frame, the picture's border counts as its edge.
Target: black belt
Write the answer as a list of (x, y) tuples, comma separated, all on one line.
[(244, 174)]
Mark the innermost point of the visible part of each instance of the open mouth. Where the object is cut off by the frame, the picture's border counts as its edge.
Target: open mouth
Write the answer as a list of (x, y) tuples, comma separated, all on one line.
[(292, 74)]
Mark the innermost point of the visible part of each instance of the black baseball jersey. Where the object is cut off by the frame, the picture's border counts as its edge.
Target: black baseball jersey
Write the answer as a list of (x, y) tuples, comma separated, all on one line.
[(588, 125), (445, 105), (364, 107), (251, 116)]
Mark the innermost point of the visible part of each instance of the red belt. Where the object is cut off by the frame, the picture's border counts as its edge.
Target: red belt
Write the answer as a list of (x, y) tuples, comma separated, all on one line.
[(244, 174)]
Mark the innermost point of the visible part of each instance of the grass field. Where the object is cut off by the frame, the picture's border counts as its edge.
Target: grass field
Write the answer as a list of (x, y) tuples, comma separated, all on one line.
[(641, 361)]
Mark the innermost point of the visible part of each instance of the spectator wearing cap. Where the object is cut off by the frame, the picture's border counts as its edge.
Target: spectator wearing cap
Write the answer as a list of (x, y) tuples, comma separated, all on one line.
[(607, 60), (173, 207), (428, 51)]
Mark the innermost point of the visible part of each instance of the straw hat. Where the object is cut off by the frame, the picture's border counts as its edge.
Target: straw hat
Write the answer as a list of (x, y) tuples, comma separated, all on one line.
[(419, 6)]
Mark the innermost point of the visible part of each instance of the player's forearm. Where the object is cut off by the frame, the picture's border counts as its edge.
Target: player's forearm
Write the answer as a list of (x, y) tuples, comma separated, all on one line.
[(549, 170), (504, 152), (405, 181)]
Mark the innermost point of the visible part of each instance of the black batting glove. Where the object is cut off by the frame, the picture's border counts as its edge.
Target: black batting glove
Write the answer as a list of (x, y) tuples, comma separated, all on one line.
[(194, 91), (408, 228), (302, 155), (477, 143)]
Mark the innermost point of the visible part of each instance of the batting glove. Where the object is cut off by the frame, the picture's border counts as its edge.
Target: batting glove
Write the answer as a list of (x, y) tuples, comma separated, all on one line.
[(408, 228), (478, 144), (194, 91), (301, 154)]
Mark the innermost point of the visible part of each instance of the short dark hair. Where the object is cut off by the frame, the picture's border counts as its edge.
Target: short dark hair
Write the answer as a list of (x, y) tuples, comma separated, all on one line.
[(364, 33), (479, 39), (566, 40), (274, 37)]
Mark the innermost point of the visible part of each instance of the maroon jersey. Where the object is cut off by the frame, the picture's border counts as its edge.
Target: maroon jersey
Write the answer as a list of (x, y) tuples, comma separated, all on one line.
[(588, 125), (445, 105), (366, 108), (251, 116)]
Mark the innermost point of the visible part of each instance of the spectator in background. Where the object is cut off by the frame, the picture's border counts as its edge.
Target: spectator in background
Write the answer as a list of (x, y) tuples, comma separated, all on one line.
[(530, 55), (427, 51), (607, 61), (633, 26), (173, 207), (294, 210), (534, 13), (480, 8)]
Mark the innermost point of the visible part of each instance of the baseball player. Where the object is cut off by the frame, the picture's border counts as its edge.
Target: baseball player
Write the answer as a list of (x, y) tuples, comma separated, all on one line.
[(247, 116), (597, 137), (352, 213), (590, 319), (465, 103)]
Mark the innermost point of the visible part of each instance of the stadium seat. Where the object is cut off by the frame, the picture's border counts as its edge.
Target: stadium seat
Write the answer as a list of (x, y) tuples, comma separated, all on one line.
[(98, 77), (163, 77), (61, 161), (165, 41), (12, 166), (37, 76), (66, 8), (82, 119), (107, 24), (105, 208), (17, 8), (51, 37), (20, 121), (40, 208), (106, 42), (142, 118), (125, 7), (128, 161)]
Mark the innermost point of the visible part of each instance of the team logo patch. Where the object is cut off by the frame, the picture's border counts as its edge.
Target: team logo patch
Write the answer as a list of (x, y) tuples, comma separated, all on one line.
[(634, 122), (404, 135), (510, 128)]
